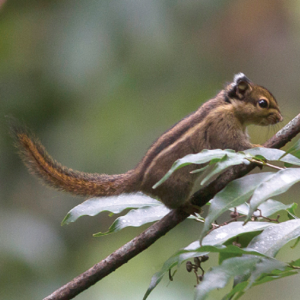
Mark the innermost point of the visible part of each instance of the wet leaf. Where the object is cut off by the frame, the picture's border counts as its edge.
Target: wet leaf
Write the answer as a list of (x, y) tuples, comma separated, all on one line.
[(137, 218), (273, 155), (234, 194), (273, 238), (276, 184), (190, 252), (203, 157), (270, 207), (218, 277), (114, 204), (224, 233)]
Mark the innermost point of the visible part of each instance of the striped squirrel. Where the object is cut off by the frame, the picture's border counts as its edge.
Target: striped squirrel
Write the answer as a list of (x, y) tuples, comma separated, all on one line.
[(219, 123)]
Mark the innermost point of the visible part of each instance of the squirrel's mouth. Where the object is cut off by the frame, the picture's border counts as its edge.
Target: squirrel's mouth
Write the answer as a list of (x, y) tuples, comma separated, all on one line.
[(274, 118), (271, 119), (278, 118)]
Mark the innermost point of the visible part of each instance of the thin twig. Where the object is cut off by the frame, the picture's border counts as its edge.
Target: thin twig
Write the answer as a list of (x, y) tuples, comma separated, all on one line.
[(263, 163)]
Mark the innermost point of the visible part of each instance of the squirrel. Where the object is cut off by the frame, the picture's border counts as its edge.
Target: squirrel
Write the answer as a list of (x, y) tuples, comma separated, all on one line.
[(221, 122)]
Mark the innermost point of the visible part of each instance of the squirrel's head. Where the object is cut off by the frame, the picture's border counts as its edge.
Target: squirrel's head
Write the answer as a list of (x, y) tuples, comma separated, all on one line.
[(253, 104)]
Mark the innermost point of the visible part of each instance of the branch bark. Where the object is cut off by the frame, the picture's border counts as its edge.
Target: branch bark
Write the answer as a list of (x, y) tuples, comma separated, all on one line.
[(160, 228)]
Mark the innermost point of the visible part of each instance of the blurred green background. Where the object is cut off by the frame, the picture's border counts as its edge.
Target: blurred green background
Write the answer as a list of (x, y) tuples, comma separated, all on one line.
[(98, 82)]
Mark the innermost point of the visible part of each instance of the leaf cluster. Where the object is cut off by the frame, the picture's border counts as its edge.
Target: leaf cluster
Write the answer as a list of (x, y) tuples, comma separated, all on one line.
[(247, 243)]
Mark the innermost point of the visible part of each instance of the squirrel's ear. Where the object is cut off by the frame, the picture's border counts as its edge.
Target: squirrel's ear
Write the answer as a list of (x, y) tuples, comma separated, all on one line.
[(241, 84)]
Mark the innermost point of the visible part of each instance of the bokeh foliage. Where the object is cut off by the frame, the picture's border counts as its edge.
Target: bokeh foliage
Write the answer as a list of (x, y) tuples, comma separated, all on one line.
[(98, 81)]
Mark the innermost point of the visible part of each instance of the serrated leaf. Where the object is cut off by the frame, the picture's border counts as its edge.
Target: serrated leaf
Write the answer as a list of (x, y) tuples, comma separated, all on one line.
[(273, 238), (114, 204), (277, 184), (234, 194), (137, 218), (203, 157)]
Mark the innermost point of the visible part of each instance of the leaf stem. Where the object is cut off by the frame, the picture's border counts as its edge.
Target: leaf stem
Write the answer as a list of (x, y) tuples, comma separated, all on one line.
[(263, 163)]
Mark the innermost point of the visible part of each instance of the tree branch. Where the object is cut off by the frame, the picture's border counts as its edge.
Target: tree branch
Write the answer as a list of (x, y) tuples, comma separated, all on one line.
[(160, 228)]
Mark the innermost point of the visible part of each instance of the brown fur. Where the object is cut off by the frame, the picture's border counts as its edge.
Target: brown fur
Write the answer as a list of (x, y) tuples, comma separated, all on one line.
[(219, 123)]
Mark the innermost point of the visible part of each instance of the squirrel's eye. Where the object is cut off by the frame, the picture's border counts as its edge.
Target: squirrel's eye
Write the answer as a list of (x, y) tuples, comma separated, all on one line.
[(263, 103)]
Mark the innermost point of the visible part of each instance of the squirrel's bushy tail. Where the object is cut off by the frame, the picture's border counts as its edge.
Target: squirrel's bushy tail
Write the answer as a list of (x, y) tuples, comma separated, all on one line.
[(54, 174)]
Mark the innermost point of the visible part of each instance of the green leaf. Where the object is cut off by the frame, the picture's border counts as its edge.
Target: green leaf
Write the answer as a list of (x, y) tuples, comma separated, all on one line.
[(292, 211), (137, 218), (203, 157), (296, 153), (234, 194), (211, 244), (265, 266), (268, 153), (294, 149), (270, 207), (225, 163), (267, 208), (277, 184), (157, 277), (274, 275), (265, 270), (273, 155), (192, 250), (242, 209), (252, 268), (296, 263), (246, 267), (200, 170), (175, 260), (296, 243), (224, 233), (223, 249), (273, 238), (237, 291), (290, 160), (218, 277), (114, 204)]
